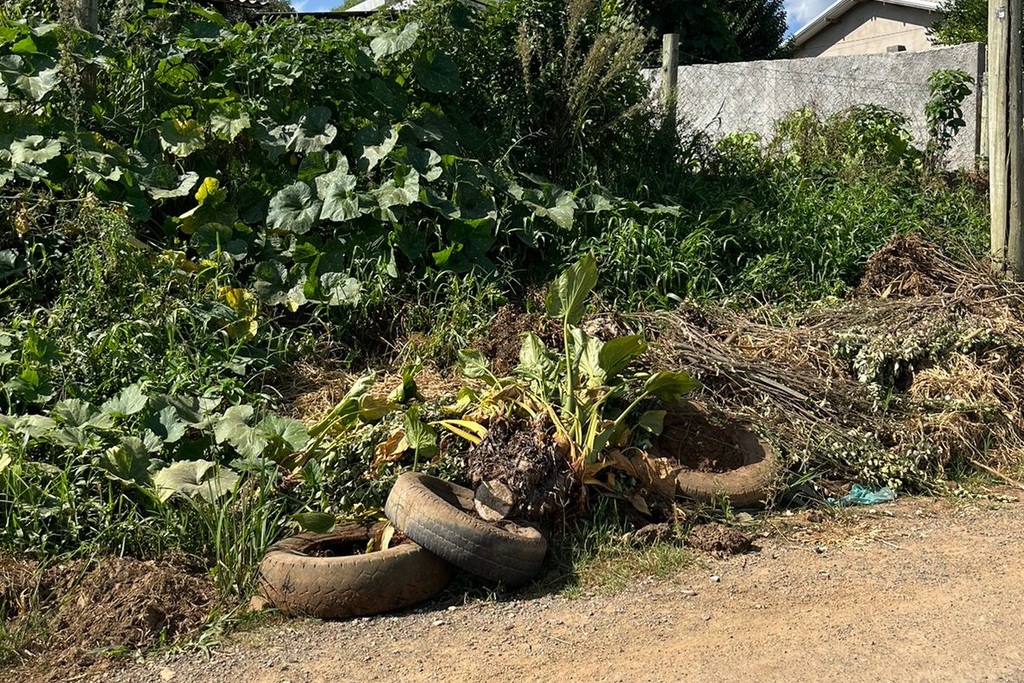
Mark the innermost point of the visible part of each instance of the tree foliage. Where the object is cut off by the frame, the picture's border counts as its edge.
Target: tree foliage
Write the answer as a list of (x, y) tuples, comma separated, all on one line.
[(725, 31), (704, 31), (961, 21), (555, 86), (758, 26)]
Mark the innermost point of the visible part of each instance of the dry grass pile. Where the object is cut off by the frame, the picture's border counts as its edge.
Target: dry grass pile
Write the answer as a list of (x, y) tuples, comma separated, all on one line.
[(309, 391), (920, 368)]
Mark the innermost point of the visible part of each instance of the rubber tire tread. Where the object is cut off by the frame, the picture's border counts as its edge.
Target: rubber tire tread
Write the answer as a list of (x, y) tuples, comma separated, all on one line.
[(299, 584), (438, 515), (746, 486)]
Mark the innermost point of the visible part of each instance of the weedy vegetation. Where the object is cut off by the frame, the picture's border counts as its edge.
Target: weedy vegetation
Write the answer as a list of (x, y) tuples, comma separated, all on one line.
[(190, 208)]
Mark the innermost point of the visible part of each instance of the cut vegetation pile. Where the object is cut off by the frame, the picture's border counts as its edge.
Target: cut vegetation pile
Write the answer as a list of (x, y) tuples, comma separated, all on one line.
[(917, 372)]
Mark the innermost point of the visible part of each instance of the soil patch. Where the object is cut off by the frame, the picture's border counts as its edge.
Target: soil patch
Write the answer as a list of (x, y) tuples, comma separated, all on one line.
[(865, 595), (88, 609), (697, 443), (504, 337), (719, 540)]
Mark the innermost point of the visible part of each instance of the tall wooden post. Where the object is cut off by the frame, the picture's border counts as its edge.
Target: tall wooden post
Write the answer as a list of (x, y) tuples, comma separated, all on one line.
[(89, 15), (669, 72), (1006, 137)]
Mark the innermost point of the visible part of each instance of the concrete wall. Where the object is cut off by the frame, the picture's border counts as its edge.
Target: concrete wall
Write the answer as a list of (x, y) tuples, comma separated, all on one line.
[(871, 28), (752, 96)]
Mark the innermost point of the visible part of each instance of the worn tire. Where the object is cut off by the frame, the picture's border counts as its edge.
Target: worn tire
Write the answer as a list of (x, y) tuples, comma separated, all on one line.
[(300, 584), (746, 486), (441, 517)]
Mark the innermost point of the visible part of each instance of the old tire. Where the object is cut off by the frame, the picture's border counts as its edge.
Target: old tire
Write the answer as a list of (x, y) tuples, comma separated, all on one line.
[(299, 583), (440, 516), (747, 485)]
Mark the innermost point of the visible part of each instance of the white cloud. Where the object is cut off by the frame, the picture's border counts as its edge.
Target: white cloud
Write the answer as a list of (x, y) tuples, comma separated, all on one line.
[(799, 12)]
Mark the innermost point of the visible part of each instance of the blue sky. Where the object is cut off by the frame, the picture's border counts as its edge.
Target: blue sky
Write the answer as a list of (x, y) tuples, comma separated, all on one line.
[(799, 11)]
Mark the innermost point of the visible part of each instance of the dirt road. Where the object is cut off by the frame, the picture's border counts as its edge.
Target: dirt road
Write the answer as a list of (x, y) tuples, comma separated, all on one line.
[(918, 590)]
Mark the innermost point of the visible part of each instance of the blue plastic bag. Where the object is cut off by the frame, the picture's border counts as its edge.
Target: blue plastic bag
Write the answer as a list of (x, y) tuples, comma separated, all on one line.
[(860, 495)]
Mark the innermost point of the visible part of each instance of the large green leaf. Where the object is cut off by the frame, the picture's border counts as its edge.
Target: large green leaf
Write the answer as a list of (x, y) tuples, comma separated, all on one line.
[(340, 289), (562, 212), (229, 123), (131, 400), (192, 410), (568, 294), (277, 285), (391, 193), (287, 435), (535, 361), (339, 174), (395, 41), (167, 424), (294, 209), (212, 207), (617, 354), (418, 434), (317, 522), (652, 421), (182, 138), (670, 386), (474, 365), (337, 190), (73, 412), (235, 428), (375, 144), (34, 149), (194, 478), (585, 353), (33, 426), (165, 183), (313, 132), (40, 85), (127, 462), (436, 72)]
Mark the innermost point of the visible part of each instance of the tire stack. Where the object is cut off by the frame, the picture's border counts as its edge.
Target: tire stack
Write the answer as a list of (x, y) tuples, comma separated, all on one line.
[(444, 532)]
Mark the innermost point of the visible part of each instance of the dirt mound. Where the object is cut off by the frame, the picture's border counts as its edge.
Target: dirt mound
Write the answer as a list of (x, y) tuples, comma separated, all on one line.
[(718, 539), (504, 337), (525, 459), (126, 603), (84, 609)]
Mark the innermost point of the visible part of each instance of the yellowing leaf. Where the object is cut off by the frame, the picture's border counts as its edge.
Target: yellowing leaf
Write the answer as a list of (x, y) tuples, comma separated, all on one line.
[(386, 535), (374, 408), (181, 138), (471, 431), (391, 450), (245, 305)]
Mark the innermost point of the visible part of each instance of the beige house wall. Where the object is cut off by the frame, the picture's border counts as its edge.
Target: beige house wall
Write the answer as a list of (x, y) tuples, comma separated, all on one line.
[(871, 28)]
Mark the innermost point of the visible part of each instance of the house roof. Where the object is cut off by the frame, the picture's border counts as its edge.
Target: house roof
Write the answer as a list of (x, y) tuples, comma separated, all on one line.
[(374, 5), (841, 7)]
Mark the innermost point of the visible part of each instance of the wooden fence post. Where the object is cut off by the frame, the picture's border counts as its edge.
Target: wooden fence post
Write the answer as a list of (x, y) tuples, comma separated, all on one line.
[(1006, 138), (669, 72), (89, 15)]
